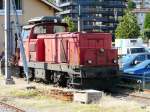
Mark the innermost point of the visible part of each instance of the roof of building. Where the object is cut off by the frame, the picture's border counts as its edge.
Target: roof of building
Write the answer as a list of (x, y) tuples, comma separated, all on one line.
[(51, 5), (141, 10)]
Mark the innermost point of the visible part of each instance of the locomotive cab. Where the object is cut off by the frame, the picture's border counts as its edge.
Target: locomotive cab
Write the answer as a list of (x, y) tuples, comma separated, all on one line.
[(39, 26), (43, 25)]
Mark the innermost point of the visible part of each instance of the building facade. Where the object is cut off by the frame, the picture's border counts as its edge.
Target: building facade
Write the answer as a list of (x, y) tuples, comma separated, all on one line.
[(95, 15), (142, 8), (140, 14), (26, 9), (142, 3)]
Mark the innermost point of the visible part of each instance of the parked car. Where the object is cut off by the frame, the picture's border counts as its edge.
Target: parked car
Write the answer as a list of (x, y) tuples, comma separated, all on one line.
[(131, 60)]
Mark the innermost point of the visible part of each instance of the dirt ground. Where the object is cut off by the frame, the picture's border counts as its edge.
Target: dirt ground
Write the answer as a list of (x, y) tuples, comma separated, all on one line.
[(35, 101)]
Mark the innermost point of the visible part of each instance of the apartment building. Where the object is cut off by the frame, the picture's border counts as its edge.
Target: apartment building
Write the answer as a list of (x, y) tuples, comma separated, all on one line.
[(142, 7), (95, 15)]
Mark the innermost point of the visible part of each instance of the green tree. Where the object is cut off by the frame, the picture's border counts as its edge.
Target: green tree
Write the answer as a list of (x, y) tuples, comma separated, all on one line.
[(147, 27), (131, 5), (147, 21), (51, 1), (71, 24), (128, 27)]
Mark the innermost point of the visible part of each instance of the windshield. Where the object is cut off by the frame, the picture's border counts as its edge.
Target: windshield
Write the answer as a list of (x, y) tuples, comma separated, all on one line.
[(25, 33), (48, 29), (137, 50), (142, 64), (126, 58)]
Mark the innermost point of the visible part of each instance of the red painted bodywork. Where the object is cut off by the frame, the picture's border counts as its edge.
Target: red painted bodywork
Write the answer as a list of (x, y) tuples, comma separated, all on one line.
[(88, 49)]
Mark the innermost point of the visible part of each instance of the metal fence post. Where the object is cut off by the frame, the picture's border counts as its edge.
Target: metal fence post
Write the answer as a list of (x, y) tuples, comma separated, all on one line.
[(143, 81)]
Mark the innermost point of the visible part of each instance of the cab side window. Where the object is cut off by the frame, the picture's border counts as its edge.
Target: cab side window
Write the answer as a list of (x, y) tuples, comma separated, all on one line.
[(39, 30)]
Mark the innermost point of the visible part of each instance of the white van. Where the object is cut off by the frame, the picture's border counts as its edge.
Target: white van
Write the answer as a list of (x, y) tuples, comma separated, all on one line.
[(129, 46)]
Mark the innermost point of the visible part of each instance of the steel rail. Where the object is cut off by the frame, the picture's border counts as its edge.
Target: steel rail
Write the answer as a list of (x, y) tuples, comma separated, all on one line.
[(7, 106)]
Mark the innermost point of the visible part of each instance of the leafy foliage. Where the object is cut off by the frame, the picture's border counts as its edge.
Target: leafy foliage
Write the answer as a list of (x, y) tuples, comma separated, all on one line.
[(71, 24), (147, 27), (131, 5), (51, 1), (147, 34), (128, 27), (147, 21)]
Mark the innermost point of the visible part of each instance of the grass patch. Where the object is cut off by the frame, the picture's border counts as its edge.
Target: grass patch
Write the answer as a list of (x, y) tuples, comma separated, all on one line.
[(25, 93), (40, 100)]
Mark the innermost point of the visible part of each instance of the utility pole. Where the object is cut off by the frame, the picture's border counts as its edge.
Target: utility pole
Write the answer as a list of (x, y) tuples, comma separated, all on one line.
[(8, 79), (79, 19)]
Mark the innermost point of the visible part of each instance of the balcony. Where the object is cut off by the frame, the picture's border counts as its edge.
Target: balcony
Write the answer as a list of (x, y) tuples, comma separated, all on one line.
[(68, 12), (96, 27), (114, 6), (67, 4), (99, 19), (91, 3), (111, 13)]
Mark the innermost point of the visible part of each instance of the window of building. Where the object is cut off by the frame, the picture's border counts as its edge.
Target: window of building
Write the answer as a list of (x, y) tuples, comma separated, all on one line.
[(18, 7), (141, 14), (18, 4), (1, 4)]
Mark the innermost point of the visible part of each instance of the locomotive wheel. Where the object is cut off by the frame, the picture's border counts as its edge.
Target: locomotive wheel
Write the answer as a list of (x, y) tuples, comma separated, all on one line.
[(68, 83), (21, 75), (59, 79), (31, 74), (49, 77)]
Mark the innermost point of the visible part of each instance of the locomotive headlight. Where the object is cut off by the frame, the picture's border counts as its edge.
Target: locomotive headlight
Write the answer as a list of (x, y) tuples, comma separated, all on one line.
[(89, 61), (114, 61), (101, 50)]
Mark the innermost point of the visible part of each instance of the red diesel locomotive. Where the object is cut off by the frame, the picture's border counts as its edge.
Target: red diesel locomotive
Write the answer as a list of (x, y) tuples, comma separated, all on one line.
[(68, 59)]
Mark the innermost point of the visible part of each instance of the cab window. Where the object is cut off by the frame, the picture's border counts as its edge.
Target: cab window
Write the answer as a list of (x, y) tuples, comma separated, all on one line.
[(40, 30), (48, 29)]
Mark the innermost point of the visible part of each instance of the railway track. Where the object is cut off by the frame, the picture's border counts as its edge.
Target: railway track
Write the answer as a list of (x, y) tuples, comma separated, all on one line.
[(8, 108), (128, 94)]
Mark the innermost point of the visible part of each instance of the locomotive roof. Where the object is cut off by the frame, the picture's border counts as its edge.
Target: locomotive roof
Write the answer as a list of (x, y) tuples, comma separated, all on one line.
[(27, 26), (41, 19)]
